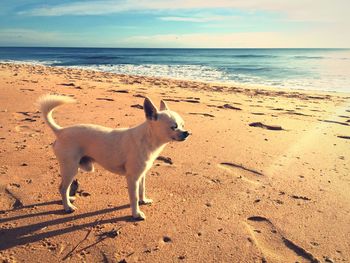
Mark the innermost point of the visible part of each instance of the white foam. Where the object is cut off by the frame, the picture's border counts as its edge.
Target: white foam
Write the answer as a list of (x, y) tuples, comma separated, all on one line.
[(189, 72), (30, 62)]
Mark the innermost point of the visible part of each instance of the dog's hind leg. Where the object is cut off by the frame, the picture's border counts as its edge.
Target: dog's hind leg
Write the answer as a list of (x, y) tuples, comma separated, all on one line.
[(69, 169), (68, 159)]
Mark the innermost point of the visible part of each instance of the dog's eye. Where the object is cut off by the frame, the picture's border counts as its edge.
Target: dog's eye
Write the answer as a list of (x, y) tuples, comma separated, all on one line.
[(174, 127)]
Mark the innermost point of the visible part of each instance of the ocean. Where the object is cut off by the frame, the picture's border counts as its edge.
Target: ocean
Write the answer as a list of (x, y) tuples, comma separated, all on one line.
[(309, 69)]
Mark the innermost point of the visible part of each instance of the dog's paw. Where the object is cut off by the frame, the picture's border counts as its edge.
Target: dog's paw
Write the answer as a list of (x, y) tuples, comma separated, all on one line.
[(139, 216), (70, 209), (146, 201)]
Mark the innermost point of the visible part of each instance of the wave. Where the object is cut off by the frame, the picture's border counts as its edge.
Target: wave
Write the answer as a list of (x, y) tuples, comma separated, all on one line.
[(191, 72), (249, 69), (31, 62), (231, 76), (254, 56), (106, 57), (309, 57)]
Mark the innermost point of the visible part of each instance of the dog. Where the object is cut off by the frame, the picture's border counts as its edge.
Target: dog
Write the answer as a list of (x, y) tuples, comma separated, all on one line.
[(126, 151)]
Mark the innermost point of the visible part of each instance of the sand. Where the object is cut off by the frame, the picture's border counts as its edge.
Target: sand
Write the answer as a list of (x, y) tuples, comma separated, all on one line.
[(263, 178)]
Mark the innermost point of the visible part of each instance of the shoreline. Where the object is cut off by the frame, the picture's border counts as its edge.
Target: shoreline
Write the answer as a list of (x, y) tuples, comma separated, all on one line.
[(245, 86), (306, 69), (264, 177)]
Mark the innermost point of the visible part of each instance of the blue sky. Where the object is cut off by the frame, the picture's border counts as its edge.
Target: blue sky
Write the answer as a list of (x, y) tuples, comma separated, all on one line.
[(165, 23)]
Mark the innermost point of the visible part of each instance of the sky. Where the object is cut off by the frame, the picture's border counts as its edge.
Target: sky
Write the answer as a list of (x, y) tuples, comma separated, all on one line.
[(176, 24)]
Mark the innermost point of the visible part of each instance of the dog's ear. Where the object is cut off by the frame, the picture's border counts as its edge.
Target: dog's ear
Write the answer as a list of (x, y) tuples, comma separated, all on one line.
[(150, 110), (163, 105)]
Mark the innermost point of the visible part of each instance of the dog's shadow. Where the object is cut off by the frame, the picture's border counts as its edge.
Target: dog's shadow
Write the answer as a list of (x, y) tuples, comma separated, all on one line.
[(16, 236)]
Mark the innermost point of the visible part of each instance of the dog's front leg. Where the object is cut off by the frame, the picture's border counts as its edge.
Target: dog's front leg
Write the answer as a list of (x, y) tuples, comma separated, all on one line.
[(142, 192), (133, 189)]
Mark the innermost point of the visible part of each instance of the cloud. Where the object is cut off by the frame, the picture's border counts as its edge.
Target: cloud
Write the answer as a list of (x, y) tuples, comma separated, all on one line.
[(299, 10), (76, 9), (192, 19), (30, 37), (316, 38), (27, 36), (312, 39)]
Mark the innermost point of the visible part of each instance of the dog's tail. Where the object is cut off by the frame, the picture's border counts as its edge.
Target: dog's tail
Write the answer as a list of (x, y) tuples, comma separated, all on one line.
[(48, 103)]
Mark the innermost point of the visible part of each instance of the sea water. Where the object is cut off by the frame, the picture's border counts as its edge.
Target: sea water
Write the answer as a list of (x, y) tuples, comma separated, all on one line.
[(310, 69)]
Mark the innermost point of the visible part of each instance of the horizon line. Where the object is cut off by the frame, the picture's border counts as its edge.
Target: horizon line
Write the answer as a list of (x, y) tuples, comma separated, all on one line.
[(175, 47)]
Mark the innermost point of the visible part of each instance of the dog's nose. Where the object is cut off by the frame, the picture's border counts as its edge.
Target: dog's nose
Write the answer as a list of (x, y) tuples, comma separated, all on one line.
[(185, 134)]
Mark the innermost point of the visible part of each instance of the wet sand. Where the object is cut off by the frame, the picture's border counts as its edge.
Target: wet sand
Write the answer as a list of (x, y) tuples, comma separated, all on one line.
[(263, 178)]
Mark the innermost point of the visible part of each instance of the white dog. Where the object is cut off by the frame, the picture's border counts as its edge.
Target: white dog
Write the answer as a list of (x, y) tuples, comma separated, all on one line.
[(130, 152)]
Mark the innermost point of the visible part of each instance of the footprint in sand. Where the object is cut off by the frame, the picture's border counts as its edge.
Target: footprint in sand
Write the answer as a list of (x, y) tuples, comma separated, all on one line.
[(344, 137), (23, 128), (106, 99), (26, 129), (119, 91), (165, 159), (16, 202), (244, 173), (189, 99), (202, 114), (274, 246), (265, 126), (137, 106), (229, 106), (27, 116), (336, 122)]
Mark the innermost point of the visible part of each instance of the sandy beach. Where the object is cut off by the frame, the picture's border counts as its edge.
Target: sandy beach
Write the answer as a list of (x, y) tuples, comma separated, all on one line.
[(263, 178)]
